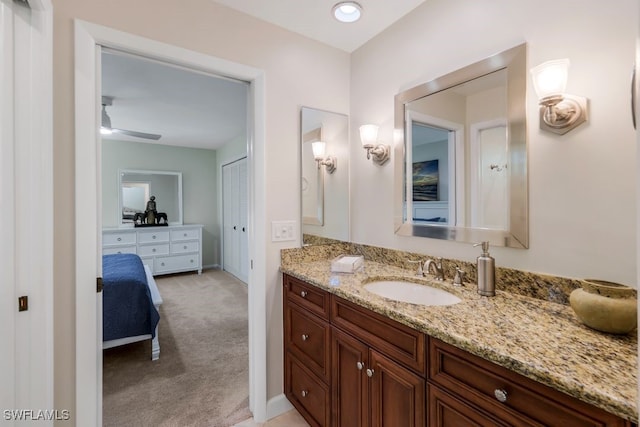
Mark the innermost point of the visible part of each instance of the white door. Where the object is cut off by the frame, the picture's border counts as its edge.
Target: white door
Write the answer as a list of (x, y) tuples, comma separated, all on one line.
[(234, 222), (26, 236)]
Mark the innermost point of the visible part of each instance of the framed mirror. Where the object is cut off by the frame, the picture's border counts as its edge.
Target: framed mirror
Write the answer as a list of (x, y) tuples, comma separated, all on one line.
[(461, 160), (324, 190), (137, 187)]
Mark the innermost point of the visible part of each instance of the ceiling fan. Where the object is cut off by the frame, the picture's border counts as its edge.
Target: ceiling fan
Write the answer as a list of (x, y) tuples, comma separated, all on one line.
[(106, 128)]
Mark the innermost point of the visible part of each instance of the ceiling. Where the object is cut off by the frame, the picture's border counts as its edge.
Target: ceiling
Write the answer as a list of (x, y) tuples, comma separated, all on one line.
[(313, 18), (193, 109)]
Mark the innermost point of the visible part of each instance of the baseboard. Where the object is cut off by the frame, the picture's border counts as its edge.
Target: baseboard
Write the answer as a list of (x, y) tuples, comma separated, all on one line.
[(277, 406), (211, 267)]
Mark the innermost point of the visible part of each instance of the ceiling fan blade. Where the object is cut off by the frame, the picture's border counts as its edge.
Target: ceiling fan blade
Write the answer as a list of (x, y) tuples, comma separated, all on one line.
[(137, 134)]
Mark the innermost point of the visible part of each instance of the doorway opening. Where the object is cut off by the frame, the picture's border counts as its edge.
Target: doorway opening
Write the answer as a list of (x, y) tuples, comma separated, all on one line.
[(89, 38)]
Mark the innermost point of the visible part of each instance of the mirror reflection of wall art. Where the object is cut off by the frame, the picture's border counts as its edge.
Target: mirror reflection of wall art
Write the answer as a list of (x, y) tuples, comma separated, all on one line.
[(425, 181)]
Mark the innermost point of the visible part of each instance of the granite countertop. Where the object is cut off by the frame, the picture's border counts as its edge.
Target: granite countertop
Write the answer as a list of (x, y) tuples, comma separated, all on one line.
[(541, 340)]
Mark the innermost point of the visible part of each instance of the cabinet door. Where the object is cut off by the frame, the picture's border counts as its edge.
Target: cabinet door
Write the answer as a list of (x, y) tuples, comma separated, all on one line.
[(397, 394), (349, 382)]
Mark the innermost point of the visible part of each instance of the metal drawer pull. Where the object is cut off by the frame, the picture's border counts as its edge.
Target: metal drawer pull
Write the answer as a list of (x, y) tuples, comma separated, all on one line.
[(370, 372), (305, 337), (360, 366), (303, 294), (185, 247), (185, 234), (304, 393), (500, 394), (153, 250), (119, 239), (153, 237), (162, 264)]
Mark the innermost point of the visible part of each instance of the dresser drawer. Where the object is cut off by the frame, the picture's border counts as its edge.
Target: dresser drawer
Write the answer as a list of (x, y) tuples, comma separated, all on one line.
[(308, 338), (524, 402), (307, 393), (119, 250), (185, 234), (176, 262), (118, 239), (313, 299), (149, 250), (153, 236), (184, 247), (398, 341)]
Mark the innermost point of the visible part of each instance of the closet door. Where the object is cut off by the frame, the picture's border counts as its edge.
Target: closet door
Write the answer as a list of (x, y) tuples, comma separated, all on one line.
[(234, 189)]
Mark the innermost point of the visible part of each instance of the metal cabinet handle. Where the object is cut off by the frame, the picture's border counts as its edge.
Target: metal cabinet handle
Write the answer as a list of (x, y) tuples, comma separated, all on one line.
[(303, 294), (304, 393), (500, 394), (633, 96), (370, 372), (305, 337), (360, 366), (119, 239)]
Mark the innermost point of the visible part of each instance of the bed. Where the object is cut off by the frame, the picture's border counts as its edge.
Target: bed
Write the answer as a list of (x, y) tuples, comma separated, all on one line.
[(130, 302)]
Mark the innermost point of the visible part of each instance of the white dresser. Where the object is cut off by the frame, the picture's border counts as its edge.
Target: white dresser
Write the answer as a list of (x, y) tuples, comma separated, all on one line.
[(165, 250)]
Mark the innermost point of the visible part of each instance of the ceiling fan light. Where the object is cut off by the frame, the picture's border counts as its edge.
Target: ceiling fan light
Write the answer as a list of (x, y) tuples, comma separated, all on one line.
[(347, 11)]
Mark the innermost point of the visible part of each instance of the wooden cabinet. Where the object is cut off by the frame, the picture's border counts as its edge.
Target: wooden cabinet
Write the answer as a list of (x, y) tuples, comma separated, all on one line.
[(380, 363), (307, 350), (464, 385), (348, 366)]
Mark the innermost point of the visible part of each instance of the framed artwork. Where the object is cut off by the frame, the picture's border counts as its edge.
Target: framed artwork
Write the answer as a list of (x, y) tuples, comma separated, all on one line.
[(425, 181)]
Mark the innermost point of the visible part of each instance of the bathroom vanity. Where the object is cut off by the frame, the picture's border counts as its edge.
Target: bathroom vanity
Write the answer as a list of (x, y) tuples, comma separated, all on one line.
[(353, 358)]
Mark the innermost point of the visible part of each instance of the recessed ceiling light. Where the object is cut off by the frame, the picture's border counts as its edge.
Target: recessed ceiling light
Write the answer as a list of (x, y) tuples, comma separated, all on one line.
[(347, 11)]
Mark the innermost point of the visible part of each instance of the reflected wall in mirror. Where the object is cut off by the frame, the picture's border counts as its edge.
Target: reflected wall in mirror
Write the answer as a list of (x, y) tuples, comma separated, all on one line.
[(461, 168), (324, 196), (137, 187)]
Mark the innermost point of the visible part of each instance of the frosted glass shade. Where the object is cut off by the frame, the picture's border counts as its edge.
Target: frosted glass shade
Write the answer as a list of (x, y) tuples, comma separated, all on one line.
[(550, 78), (368, 135), (318, 148)]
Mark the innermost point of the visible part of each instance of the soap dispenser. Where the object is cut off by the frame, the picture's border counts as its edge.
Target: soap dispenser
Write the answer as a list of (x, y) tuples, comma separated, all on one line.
[(486, 266)]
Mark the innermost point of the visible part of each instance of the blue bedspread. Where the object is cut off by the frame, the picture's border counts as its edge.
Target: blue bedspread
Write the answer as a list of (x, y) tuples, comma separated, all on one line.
[(127, 307)]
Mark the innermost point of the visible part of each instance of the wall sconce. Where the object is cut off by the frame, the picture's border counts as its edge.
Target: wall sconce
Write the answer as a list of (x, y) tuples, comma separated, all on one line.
[(369, 138), (559, 112), (330, 162)]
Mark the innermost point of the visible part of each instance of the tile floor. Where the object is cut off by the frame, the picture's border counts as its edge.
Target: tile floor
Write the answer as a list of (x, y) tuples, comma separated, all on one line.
[(288, 419)]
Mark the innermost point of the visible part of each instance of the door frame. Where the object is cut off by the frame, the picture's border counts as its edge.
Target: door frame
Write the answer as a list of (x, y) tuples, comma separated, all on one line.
[(26, 186), (89, 38)]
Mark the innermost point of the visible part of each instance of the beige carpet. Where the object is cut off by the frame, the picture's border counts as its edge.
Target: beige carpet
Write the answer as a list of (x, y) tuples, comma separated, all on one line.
[(201, 378)]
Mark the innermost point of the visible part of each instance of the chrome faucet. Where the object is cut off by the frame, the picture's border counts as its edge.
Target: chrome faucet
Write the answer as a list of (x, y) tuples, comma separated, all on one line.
[(437, 264), (419, 272)]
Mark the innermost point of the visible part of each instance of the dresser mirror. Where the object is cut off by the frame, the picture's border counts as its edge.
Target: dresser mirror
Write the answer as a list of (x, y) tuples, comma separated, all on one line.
[(461, 163), (324, 190), (137, 187)]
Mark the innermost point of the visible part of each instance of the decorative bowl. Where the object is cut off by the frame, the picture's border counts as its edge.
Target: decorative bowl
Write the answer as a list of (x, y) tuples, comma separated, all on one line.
[(605, 306)]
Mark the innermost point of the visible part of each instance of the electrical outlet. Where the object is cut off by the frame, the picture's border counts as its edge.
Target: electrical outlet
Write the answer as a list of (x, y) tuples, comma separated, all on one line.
[(283, 231)]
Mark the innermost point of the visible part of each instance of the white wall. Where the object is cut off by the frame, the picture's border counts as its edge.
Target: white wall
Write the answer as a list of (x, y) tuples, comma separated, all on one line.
[(206, 27), (582, 185)]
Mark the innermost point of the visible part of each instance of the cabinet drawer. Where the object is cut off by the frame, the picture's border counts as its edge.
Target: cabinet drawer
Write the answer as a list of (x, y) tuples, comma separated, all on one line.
[(149, 250), (398, 341), (188, 234), (118, 239), (184, 247), (176, 262), (446, 410), (153, 236), (307, 337), (307, 393), (119, 250), (527, 402), (313, 299)]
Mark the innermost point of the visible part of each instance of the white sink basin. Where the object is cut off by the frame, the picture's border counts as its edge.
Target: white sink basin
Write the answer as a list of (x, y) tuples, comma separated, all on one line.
[(399, 290)]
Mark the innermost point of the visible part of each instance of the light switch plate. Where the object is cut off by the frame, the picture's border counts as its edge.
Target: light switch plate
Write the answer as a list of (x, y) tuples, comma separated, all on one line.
[(283, 231)]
